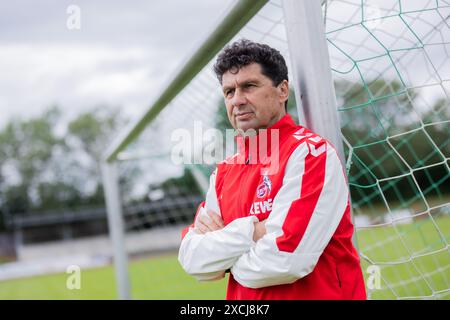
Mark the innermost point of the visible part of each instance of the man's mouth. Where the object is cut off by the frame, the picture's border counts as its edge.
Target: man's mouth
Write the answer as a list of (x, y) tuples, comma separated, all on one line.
[(243, 115)]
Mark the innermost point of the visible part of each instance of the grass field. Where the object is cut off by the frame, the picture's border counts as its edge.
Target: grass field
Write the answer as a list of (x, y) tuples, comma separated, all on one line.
[(161, 277), (153, 278), (406, 252)]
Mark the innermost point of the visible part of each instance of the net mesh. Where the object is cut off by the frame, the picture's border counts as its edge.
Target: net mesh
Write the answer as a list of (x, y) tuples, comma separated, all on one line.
[(390, 62)]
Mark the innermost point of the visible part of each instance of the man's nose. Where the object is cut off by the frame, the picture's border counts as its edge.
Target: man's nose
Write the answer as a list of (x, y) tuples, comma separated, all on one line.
[(239, 98)]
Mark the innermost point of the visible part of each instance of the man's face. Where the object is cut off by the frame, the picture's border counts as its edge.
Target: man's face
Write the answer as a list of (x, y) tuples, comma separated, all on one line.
[(251, 99)]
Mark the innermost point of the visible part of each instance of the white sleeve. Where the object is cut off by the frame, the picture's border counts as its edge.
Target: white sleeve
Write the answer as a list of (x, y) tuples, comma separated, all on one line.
[(305, 214), (207, 256)]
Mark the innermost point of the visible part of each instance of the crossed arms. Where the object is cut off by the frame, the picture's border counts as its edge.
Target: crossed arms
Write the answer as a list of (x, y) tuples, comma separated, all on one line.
[(213, 222), (287, 245)]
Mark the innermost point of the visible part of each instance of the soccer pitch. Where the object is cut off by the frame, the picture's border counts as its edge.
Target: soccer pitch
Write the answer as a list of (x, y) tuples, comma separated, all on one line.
[(158, 277), (161, 277)]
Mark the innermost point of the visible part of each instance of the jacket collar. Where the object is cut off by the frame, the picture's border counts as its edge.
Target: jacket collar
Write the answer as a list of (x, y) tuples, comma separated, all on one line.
[(251, 146)]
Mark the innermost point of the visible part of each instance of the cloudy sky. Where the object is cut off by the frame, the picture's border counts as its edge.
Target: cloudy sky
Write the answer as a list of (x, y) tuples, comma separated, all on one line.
[(121, 56), (124, 54)]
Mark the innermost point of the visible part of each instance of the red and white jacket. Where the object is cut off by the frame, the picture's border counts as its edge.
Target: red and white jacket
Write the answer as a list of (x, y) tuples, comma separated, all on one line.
[(307, 252)]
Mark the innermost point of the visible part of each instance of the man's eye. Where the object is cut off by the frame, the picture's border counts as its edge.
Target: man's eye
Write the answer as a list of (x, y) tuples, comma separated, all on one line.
[(228, 93)]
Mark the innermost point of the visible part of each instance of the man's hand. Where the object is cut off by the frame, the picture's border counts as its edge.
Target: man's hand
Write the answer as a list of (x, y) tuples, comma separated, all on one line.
[(207, 223), (260, 230)]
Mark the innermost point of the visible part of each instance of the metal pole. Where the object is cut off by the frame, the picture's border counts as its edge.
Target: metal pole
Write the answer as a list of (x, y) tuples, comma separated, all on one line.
[(310, 62), (116, 229), (311, 71)]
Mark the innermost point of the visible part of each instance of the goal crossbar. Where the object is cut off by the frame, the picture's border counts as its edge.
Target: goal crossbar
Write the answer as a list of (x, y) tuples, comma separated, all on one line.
[(238, 16)]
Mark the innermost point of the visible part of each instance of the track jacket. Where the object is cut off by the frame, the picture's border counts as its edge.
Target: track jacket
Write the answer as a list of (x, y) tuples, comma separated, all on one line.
[(307, 252)]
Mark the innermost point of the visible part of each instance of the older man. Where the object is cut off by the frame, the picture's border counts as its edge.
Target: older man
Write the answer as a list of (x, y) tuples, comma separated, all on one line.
[(284, 233)]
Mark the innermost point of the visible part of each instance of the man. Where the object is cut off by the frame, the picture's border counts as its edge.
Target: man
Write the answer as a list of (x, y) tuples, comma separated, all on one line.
[(284, 234)]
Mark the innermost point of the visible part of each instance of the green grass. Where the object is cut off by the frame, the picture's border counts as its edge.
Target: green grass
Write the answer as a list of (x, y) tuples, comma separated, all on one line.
[(152, 278), (162, 277), (95, 284), (396, 244)]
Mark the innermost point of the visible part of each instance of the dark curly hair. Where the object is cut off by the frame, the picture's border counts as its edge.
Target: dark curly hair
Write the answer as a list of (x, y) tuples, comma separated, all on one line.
[(244, 52)]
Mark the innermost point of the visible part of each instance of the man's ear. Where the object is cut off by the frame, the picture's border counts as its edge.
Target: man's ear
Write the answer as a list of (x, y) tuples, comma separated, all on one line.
[(284, 91)]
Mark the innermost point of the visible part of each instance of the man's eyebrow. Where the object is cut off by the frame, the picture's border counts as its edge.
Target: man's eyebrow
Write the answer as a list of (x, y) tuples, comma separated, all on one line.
[(250, 80), (240, 84), (226, 88)]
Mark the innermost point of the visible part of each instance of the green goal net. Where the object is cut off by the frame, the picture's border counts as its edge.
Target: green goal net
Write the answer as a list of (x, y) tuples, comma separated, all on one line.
[(391, 66)]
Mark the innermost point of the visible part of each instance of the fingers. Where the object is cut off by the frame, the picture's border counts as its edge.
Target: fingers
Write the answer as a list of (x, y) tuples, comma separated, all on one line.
[(208, 222), (259, 230), (216, 219), (201, 227)]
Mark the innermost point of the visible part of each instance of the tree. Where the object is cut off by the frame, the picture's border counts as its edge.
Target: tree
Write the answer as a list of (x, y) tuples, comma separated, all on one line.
[(183, 185), (379, 121), (26, 150), (41, 169), (87, 137)]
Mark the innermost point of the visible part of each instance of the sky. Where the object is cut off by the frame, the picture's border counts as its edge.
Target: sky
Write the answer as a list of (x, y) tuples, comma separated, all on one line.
[(121, 55)]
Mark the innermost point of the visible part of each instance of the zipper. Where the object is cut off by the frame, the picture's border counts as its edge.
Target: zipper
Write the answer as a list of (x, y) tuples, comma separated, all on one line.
[(338, 278), (244, 180)]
